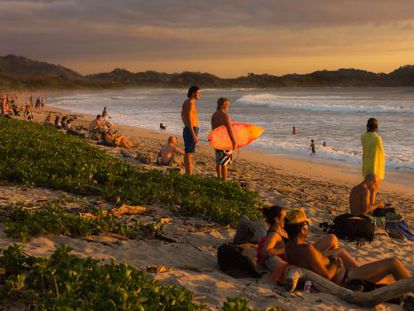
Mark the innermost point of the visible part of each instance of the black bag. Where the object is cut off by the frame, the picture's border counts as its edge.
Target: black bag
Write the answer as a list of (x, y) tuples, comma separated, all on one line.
[(353, 227), (232, 262)]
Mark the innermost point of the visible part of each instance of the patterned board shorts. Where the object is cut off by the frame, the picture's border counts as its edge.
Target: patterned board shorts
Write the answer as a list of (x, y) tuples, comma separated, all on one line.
[(224, 157)]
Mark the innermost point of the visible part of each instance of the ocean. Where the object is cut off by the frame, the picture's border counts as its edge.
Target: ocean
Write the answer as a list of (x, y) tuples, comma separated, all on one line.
[(336, 116)]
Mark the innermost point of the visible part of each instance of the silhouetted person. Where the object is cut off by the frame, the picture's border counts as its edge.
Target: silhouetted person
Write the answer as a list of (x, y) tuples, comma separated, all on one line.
[(312, 147)]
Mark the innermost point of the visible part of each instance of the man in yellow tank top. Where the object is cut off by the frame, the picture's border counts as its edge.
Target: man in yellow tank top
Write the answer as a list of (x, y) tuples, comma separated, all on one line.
[(373, 156)]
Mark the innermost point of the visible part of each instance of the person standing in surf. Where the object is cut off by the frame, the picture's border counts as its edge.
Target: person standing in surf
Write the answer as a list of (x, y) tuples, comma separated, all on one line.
[(312, 147), (220, 118), (191, 127), (373, 156)]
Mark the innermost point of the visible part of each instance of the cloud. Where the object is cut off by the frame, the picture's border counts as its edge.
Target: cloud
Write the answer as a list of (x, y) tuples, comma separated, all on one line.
[(103, 31)]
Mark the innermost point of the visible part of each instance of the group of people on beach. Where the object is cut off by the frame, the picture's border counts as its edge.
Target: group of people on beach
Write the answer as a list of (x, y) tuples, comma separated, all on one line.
[(10, 108), (102, 129), (285, 247)]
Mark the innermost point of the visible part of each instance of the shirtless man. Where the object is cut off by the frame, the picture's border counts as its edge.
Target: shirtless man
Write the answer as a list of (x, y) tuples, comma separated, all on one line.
[(169, 151), (332, 267), (219, 118), (191, 127), (360, 201)]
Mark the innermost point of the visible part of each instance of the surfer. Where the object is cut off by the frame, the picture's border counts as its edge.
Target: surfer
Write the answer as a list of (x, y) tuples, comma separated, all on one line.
[(373, 156), (220, 118), (191, 127)]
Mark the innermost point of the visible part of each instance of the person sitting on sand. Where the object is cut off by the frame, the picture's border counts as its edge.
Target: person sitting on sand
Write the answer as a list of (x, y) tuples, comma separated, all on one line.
[(170, 152), (115, 139), (3, 107), (271, 252), (14, 107), (28, 112), (219, 118), (360, 201), (63, 122), (58, 125), (97, 127), (330, 266), (48, 120)]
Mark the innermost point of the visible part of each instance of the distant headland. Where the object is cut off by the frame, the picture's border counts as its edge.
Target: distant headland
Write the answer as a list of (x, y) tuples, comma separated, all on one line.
[(17, 72)]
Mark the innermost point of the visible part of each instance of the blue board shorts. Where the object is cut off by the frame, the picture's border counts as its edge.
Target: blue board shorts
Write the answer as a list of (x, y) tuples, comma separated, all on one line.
[(189, 143)]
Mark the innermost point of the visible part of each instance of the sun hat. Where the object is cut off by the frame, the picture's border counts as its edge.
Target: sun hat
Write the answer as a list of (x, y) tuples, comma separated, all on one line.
[(297, 216)]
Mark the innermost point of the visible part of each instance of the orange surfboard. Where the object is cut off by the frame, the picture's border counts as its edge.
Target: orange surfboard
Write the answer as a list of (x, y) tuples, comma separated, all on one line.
[(244, 134)]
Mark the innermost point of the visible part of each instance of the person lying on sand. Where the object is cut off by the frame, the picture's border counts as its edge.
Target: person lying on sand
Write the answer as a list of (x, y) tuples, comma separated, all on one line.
[(338, 269), (271, 252), (360, 198), (115, 139), (169, 152), (71, 131)]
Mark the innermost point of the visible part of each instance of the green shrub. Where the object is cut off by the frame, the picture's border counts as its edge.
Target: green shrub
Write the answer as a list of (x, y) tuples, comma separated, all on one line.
[(41, 156), (24, 223), (67, 282)]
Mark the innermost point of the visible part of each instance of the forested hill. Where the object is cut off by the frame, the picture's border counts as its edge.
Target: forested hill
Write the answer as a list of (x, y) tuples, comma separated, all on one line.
[(18, 72)]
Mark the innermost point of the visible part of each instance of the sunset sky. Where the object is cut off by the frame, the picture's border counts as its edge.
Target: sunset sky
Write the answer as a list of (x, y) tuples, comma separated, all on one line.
[(224, 37)]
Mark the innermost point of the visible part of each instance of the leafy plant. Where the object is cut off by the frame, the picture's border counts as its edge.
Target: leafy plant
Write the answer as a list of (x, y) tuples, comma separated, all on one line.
[(67, 282), (241, 304), (24, 223), (36, 155)]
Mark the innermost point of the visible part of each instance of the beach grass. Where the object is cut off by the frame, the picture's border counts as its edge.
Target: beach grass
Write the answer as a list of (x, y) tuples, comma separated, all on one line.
[(41, 156)]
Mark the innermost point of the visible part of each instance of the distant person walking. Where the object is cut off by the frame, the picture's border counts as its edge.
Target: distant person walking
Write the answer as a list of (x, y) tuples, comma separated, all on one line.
[(293, 130), (373, 156), (312, 147), (191, 127), (219, 118)]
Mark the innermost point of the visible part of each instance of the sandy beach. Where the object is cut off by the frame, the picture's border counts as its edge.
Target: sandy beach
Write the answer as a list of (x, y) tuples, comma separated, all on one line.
[(322, 188)]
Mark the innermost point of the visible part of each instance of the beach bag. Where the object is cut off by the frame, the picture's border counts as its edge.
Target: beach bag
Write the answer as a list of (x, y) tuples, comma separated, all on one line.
[(397, 228), (233, 262), (353, 227)]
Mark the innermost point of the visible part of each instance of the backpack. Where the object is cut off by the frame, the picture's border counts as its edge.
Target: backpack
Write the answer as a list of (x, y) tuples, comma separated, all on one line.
[(232, 261), (352, 227)]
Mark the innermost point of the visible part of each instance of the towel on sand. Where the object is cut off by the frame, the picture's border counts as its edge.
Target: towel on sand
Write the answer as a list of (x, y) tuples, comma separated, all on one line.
[(373, 157)]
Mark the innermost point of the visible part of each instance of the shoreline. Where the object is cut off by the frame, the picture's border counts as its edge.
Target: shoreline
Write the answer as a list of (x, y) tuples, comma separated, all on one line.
[(320, 169)]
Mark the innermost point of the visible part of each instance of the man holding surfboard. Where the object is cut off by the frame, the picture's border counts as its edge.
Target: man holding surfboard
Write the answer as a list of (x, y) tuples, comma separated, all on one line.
[(220, 118), (191, 127)]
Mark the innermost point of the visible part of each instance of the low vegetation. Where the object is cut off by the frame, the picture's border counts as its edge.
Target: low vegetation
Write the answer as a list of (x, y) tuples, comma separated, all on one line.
[(67, 282), (23, 223), (35, 155)]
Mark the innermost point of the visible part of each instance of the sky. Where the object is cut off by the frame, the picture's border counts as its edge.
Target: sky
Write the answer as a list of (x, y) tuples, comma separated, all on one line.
[(228, 38)]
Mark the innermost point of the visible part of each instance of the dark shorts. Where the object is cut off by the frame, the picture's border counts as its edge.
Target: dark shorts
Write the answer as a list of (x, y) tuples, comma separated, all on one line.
[(223, 157), (189, 143)]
